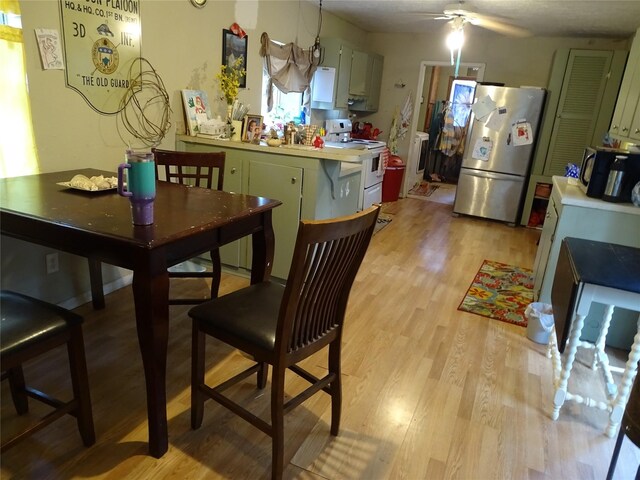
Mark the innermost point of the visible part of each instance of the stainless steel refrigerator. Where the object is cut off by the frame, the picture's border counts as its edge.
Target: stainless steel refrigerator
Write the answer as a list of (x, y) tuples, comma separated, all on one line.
[(498, 152)]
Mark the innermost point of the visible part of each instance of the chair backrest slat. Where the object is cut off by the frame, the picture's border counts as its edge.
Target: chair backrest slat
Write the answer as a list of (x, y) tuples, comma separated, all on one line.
[(325, 262), (191, 168)]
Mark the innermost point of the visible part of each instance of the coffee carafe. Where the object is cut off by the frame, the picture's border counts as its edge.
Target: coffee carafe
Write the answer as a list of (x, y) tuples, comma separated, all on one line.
[(613, 189)]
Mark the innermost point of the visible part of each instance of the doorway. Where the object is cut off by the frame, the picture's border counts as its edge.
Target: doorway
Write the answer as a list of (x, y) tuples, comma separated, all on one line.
[(436, 84)]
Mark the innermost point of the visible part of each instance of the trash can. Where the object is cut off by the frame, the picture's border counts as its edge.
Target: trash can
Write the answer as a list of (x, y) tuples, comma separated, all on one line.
[(539, 321), (392, 180)]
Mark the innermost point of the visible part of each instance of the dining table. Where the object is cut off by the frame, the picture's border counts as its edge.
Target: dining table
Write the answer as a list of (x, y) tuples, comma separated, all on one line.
[(98, 225)]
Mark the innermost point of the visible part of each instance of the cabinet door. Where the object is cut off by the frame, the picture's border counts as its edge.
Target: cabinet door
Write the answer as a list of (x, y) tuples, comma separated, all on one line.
[(373, 98), (358, 82), (629, 94), (230, 253), (576, 116), (634, 133), (344, 75), (544, 247), (282, 183)]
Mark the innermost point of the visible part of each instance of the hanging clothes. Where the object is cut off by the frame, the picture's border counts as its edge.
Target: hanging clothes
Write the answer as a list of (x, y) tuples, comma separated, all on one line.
[(448, 144)]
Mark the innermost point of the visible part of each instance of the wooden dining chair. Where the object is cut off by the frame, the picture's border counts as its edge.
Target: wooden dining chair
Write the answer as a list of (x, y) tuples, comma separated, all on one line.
[(196, 169), (281, 325), (29, 328)]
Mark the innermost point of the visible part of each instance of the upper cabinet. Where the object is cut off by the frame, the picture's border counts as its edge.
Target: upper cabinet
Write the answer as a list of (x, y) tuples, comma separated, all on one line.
[(347, 79), (359, 79), (625, 124), (369, 100)]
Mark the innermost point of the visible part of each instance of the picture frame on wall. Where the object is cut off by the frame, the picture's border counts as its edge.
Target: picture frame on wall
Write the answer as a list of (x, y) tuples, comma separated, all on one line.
[(252, 128), (234, 47)]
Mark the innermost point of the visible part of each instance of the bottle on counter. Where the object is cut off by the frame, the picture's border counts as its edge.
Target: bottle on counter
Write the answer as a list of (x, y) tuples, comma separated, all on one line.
[(613, 189)]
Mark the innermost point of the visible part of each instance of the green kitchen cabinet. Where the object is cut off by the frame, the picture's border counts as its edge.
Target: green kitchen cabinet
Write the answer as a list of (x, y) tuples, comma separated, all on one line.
[(625, 123), (356, 79), (310, 187), (359, 78), (284, 183)]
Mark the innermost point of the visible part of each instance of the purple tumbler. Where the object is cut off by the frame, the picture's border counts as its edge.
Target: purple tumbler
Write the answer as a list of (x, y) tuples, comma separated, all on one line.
[(140, 185)]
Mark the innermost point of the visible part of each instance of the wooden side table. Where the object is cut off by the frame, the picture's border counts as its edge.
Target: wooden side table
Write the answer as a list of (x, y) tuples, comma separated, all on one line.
[(587, 272)]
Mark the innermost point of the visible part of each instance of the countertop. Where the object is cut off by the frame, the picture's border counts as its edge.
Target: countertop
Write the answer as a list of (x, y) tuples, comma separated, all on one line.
[(566, 192), (327, 153)]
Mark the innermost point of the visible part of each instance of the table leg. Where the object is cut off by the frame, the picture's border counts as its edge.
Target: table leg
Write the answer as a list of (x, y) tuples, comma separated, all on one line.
[(570, 355), (263, 243), (620, 402), (151, 297), (602, 336), (95, 278)]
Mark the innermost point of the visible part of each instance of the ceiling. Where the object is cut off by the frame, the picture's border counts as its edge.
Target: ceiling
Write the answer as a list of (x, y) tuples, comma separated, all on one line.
[(548, 18)]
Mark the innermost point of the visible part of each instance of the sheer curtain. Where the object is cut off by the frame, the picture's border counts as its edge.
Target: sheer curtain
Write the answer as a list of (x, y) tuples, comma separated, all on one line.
[(289, 67), (18, 155)]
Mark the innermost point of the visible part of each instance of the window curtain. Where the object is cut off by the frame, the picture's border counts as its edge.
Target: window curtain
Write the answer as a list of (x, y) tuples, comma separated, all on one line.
[(289, 68), (18, 155)]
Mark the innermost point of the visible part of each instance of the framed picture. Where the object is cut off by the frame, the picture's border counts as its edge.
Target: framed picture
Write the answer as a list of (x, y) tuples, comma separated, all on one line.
[(234, 47), (252, 128), (196, 106)]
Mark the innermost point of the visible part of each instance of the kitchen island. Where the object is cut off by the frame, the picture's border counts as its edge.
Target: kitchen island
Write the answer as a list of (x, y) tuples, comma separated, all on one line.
[(312, 184), (572, 214)]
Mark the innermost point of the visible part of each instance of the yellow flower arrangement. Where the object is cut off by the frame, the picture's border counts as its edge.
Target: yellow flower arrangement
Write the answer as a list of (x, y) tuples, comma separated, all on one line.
[(229, 78)]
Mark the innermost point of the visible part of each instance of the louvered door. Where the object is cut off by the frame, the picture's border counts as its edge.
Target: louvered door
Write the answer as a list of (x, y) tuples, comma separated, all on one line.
[(582, 90)]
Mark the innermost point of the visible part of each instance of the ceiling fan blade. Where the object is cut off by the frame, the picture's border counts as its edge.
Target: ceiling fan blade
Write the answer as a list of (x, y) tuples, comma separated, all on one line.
[(498, 26)]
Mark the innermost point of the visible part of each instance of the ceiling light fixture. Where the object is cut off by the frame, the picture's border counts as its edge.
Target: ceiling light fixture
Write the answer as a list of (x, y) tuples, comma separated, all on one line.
[(455, 40)]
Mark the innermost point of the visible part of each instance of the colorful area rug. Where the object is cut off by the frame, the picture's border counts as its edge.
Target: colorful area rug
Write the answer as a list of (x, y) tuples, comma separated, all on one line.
[(501, 292), (384, 219)]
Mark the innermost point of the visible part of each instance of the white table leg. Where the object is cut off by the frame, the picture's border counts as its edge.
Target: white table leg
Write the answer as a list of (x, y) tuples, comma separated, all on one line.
[(602, 336), (570, 355), (620, 402)]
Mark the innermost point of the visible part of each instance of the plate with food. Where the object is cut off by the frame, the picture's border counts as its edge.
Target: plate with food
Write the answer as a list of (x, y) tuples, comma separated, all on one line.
[(98, 183)]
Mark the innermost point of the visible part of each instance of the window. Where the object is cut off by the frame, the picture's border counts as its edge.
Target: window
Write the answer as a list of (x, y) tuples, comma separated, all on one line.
[(18, 154), (287, 107), (461, 99)]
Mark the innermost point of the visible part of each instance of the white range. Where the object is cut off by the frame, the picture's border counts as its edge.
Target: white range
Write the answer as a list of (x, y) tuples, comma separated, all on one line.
[(339, 136)]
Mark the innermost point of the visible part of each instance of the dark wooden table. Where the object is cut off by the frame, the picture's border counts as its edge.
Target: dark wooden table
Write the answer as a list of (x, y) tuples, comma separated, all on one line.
[(188, 222)]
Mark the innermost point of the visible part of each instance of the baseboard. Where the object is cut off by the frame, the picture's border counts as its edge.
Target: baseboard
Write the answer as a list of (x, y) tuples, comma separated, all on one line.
[(110, 287)]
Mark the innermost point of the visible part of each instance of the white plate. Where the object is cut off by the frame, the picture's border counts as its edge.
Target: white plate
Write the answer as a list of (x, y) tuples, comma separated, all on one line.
[(68, 185)]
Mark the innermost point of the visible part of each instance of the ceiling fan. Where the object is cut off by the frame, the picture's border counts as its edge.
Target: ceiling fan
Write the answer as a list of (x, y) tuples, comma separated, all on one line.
[(458, 16)]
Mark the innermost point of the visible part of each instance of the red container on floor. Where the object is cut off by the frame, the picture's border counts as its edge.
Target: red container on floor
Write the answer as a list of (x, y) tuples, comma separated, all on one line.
[(392, 182)]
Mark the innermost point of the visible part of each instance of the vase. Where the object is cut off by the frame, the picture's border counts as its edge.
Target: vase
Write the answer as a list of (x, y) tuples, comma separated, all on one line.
[(229, 111), (237, 130)]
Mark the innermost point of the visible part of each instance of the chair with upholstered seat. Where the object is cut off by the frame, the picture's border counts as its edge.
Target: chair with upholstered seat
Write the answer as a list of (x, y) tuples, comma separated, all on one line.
[(282, 325), (196, 169), (29, 328)]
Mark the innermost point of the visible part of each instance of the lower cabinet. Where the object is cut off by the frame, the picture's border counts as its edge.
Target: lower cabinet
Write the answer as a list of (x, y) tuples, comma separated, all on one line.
[(285, 184), (309, 188), (544, 247), (579, 216)]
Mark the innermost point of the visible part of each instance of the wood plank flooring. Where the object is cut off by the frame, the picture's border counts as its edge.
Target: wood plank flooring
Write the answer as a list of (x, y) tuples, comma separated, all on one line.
[(429, 392)]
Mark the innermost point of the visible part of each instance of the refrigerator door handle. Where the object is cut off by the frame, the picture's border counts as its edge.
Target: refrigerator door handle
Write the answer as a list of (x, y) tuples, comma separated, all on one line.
[(493, 176)]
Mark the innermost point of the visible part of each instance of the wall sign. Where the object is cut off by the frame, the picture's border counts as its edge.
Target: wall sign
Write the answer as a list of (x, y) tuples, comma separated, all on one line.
[(101, 43)]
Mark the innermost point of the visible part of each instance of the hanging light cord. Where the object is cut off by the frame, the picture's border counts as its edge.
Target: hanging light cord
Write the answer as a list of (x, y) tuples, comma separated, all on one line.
[(146, 95)]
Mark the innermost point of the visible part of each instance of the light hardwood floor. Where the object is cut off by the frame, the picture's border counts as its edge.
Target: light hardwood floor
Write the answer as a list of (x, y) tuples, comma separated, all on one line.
[(429, 392)]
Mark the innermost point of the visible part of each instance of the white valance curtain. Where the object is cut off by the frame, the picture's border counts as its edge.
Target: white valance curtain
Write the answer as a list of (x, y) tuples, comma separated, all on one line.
[(289, 67)]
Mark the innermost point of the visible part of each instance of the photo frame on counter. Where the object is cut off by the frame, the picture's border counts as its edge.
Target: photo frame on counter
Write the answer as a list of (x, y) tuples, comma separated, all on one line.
[(234, 47), (252, 128)]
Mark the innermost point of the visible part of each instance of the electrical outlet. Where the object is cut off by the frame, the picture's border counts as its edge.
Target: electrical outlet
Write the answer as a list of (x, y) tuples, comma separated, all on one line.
[(52, 263)]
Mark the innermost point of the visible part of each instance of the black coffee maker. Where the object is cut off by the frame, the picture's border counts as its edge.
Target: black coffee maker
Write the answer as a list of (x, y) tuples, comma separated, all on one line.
[(627, 171)]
